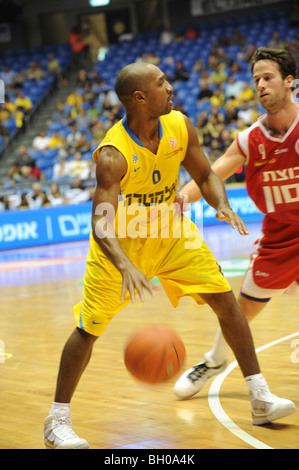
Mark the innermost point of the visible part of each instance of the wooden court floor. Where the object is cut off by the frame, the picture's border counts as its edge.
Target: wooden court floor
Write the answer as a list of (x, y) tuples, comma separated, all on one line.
[(110, 408)]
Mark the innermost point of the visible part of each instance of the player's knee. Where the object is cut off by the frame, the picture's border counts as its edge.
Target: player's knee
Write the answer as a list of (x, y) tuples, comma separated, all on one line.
[(250, 307)]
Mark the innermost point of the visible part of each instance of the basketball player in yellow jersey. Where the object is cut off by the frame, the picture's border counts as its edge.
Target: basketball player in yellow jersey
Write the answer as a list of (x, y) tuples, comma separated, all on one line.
[(139, 159)]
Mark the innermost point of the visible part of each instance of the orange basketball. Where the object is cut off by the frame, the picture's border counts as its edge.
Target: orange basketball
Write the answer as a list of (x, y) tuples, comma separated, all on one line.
[(154, 354)]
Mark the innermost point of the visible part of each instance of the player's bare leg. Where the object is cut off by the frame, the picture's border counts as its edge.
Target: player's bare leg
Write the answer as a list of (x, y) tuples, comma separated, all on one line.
[(76, 354), (265, 406), (250, 308), (235, 330), (74, 359)]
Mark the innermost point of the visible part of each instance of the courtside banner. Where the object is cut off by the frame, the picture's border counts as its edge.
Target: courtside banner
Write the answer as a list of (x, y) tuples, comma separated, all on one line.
[(26, 228), (239, 201)]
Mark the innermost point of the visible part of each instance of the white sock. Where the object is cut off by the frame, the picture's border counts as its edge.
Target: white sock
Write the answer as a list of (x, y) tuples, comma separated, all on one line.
[(62, 408), (220, 351), (255, 381)]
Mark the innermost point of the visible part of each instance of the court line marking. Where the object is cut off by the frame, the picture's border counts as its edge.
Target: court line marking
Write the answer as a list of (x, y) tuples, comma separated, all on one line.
[(214, 401)]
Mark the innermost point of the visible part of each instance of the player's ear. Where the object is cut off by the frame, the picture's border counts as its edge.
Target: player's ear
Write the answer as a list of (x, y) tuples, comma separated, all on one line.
[(139, 96), (289, 80)]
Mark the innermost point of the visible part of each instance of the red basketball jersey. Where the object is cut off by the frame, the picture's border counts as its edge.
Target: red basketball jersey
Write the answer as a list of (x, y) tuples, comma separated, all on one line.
[(272, 171), (272, 179)]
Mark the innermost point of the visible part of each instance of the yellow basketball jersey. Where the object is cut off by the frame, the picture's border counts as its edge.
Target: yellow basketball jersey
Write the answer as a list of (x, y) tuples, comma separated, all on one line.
[(151, 179)]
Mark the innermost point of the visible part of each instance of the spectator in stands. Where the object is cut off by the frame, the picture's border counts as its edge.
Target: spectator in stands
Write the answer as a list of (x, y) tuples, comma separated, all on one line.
[(91, 172), (98, 131), (205, 93), (74, 98), (26, 175), (224, 41), (199, 66), (83, 78), (218, 76), (294, 49), (3, 129), (41, 141), (4, 204), (218, 97), (44, 200), (238, 39), (225, 140), (93, 111), (19, 79), (231, 114), (233, 87), (89, 95), (7, 75), (55, 140), (247, 113), (240, 126), (54, 196), (224, 59), (167, 36), (35, 199), (60, 115), (235, 68), (215, 125), (95, 78), (83, 119), (247, 93), (275, 41), (24, 203), (53, 67), (5, 112), (246, 53), (14, 174), (23, 102), (73, 137), (62, 149), (23, 159), (180, 73), (82, 144), (190, 33), (61, 170), (35, 72), (152, 58), (78, 168), (78, 45), (19, 117), (77, 193), (107, 95), (213, 57)]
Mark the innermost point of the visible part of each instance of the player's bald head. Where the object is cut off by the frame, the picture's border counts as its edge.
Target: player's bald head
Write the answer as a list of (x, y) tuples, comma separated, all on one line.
[(131, 78)]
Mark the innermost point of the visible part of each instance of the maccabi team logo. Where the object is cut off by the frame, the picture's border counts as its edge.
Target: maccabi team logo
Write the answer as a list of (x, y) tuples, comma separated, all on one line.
[(173, 142)]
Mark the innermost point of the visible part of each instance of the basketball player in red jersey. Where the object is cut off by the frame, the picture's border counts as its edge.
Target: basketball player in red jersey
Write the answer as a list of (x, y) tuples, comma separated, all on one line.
[(270, 150)]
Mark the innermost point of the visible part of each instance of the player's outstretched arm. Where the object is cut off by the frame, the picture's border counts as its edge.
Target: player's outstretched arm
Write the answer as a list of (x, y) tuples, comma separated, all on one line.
[(210, 185)]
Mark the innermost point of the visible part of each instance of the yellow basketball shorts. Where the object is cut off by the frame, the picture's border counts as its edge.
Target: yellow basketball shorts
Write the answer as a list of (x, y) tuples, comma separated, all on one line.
[(184, 268)]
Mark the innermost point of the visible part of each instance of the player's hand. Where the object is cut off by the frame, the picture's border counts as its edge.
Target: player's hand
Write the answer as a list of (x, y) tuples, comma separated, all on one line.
[(134, 280), (228, 215)]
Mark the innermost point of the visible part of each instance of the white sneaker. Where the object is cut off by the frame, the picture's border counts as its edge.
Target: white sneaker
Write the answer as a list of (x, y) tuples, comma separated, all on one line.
[(266, 407), (192, 381), (58, 433)]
